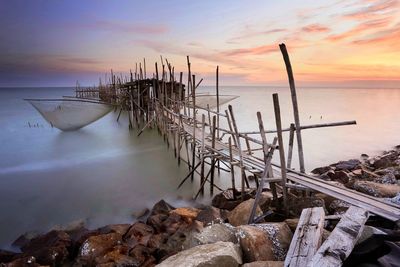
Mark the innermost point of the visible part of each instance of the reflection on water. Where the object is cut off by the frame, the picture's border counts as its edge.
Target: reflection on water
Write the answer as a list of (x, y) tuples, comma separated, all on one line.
[(103, 172)]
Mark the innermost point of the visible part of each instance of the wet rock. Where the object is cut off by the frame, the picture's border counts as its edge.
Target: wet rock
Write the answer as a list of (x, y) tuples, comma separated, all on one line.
[(114, 228), (388, 178), (376, 189), (255, 244), (139, 233), (96, 246), (224, 254), (142, 254), (292, 223), (348, 165), (297, 206), (118, 256), (173, 223), (28, 261), (321, 170), (209, 215), (7, 256), (340, 176), (338, 206), (240, 214), (266, 201), (211, 234), (187, 213), (24, 239), (395, 199), (157, 221), (156, 240), (225, 200), (381, 163), (141, 215), (327, 175), (49, 249), (161, 207), (264, 264), (280, 235)]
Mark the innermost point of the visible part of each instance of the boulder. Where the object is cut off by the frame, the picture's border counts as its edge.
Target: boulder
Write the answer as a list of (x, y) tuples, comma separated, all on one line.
[(114, 228), (382, 162), (141, 215), (28, 261), (292, 223), (96, 246), (338, 206), (280, 235), (24, 239), (161, 207), (376, 189), (138, 233), (266, 200), (118, 256), (255, 244), (264, 264), (321, 170), (211, 234), (7, 256), (225, 200), (49, 249), (340, 176), (240, 215), (348, 165), (142, 255), (156, 221), (209, 215), (222, 254), (188, 213)]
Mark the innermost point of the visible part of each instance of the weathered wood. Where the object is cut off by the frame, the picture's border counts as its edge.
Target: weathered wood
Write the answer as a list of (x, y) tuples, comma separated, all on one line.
[(307, 237), (290, 149), (281, 148), (231, 166), (194, 122), (202, 151), (342, 240), (214, 122), (295, 105)]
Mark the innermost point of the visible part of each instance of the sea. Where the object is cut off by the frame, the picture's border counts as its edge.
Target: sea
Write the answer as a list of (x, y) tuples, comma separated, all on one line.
[(104, 173)]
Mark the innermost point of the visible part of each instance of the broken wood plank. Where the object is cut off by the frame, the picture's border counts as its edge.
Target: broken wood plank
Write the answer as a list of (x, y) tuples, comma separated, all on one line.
[(342, 240), (307, 237)]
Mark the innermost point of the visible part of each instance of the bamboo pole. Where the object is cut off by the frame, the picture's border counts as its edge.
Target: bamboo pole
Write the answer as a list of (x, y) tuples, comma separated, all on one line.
[(281, 148), (295, 105)]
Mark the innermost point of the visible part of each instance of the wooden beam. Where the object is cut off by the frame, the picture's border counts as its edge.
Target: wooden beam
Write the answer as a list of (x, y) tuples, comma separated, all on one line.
[(307, 237), (342, 240)]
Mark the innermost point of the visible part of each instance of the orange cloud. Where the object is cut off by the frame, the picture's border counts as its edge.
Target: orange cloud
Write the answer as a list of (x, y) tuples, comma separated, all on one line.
[(373, 10), (315, 28)]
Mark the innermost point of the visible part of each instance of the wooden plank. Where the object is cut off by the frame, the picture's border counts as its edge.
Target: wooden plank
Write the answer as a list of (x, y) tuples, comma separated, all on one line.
[(307, 237), (342, 240)]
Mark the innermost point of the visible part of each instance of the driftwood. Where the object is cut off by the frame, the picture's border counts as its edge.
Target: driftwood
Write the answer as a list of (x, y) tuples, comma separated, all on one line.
[(342, 240), (307, 237)]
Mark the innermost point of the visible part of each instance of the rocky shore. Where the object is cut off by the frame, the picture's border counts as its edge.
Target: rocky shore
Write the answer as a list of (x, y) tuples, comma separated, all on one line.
[(218, 234)]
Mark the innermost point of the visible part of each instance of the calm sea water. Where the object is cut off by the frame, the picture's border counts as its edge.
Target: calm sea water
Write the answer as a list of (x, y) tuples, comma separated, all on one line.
[(102, 173)]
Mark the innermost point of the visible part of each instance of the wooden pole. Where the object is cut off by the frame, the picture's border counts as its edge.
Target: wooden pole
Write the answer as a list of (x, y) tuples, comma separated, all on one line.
[(281, 148), (194, 123), (295, 105), (232, 167), (214, 119), (290, 150), (202, 151)]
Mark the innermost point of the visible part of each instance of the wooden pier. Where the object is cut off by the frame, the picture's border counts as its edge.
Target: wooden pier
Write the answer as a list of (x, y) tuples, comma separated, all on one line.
[(197, 138)]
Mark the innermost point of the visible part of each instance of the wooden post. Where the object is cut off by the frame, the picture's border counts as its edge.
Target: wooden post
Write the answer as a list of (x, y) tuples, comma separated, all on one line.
[(295, 105), (230, 127), (179, 137), (232, 167), (213, 157), (202, 151), (194, 123), (281, 148), (290, 150), (239, 148), (217, 93)]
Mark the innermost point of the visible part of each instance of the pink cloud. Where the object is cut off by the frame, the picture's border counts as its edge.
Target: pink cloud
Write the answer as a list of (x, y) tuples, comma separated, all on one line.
[(315, 28), (373, 10)]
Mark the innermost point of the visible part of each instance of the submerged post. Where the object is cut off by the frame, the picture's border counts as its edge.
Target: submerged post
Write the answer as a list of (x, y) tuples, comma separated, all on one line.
[(295, 105)]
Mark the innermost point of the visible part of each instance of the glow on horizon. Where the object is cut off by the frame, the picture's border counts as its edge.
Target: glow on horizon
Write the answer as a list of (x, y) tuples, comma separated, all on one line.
[(354, 42)]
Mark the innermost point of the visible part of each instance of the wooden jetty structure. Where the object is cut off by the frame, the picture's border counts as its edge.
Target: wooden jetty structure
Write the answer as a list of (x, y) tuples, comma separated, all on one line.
[(198, 137)]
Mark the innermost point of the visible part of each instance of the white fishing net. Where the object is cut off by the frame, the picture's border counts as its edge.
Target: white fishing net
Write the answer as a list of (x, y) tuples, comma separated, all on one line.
[(211, 100), (70, 114)]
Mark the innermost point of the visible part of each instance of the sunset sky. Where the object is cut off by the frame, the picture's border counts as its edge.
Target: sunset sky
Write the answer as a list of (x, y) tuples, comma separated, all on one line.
[(338, 42)]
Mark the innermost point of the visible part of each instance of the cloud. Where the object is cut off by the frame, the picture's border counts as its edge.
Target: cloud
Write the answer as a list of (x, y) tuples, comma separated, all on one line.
[(113, 26), (361, 28), (315, 28), (389, 37), (248, 33), (372, 10)]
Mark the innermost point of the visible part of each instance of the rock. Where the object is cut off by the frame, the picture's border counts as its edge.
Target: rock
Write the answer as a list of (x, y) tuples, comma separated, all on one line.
[(255, 244), (296, 206), (321, 170), (225, 200), (114, 228), (240, 214), (142, 255), (161, 207), (156, 221), (292, 223), (173, 244), (210, 215), (211, 234), (368, 232), (340, 176), (266, 200), (49, 249), (28, 261), (338, 206), (223, 254), (280, 235), (118, 256), (79, 236), (377, 189), (188, 214), (7, 256), (388, 178), (327, 175), (74, 226), (139, 233), (96, 246), (348, 165), (382, 162), (395, 199), (141, 215), (24, 239), (264, 264)]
